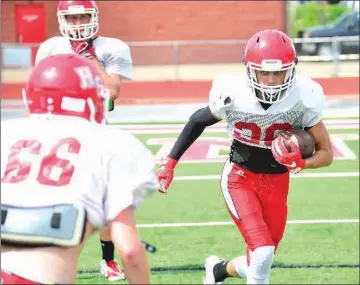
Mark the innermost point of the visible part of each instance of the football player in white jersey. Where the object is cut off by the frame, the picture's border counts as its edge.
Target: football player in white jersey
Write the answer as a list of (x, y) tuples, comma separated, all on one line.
[(267, 99), (78, 23), (66, 174)]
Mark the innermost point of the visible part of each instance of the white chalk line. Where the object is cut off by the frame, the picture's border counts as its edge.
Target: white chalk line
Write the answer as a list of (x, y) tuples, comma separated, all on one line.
[(300, 175), (229, 223)]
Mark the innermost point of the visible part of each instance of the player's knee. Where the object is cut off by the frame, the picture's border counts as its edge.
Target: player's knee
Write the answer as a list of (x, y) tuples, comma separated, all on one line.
[(261, 261)]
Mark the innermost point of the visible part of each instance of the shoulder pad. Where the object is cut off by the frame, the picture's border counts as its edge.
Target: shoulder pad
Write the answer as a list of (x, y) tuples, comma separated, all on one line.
[(311, 92), (114, 44)]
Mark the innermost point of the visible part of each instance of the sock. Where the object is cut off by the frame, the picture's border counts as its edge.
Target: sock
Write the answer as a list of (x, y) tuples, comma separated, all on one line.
[(260, 265), (220, 272), (251, 280), (107, 248), (241, 266)]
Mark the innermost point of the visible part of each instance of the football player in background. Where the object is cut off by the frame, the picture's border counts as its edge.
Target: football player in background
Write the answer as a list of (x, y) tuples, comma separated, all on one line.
[(66, 174), (78, 23), (267, 99)]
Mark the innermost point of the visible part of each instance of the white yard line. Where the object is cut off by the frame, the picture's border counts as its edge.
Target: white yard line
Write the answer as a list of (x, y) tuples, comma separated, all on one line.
[(209, 130), (175, 128), (300, 175), (229, 223)]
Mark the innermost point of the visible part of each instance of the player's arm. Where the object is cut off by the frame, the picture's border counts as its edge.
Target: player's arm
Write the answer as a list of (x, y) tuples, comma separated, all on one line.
[(323, 155), (118, 68), (197, 123), (131, 177), (126, 239), (118, 64), (112, 81), (312, 122)]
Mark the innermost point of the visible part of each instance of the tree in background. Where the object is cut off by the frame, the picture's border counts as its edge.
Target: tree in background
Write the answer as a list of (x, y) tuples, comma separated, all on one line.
[(314, 13)]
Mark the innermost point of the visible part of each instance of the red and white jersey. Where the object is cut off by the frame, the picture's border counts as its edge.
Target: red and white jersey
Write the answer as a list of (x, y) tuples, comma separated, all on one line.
[(248, 122), (63, 160), (113, 54)]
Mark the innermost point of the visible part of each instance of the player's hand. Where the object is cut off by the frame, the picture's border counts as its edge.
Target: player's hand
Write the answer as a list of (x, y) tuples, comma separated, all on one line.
[(165, 173), (291, 159), (85, 48)]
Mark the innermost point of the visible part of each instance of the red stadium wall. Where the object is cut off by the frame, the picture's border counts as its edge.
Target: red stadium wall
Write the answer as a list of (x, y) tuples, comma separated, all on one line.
[(167, 20), (188, 91)]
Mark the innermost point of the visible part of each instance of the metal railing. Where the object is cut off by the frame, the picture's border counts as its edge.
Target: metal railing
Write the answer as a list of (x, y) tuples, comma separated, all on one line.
[(176, 53)]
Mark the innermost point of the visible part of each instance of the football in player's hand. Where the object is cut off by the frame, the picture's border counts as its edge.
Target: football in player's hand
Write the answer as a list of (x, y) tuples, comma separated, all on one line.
[(303, 139)]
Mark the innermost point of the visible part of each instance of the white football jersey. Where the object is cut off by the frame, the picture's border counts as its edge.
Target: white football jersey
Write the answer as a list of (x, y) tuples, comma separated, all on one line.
[(232, 99), (113, 54), (64, 160)]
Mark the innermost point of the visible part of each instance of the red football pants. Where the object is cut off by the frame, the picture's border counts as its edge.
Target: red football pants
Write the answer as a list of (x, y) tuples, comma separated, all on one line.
[(10, 278), (257, 203)]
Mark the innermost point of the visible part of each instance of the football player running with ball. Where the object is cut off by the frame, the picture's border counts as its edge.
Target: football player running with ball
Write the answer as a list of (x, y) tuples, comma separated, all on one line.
[(257, 106)]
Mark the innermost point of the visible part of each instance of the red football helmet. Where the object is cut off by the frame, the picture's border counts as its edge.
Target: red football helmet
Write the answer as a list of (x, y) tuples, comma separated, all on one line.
[(68, 85), (271, 50), (81, 31)]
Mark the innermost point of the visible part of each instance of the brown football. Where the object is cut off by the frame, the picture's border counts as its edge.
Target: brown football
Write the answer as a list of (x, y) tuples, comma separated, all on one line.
[(303, 139)]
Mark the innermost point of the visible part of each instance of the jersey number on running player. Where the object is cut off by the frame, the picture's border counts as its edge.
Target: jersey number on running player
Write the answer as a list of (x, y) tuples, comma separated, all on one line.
[(242, 130)]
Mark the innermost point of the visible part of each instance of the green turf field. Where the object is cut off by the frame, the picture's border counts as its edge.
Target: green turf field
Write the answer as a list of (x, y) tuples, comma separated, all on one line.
[(321, 241)]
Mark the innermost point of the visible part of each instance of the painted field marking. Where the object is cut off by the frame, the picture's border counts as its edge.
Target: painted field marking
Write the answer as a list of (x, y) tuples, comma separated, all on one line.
[(230, 223), (300, 175), (221, 127)]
